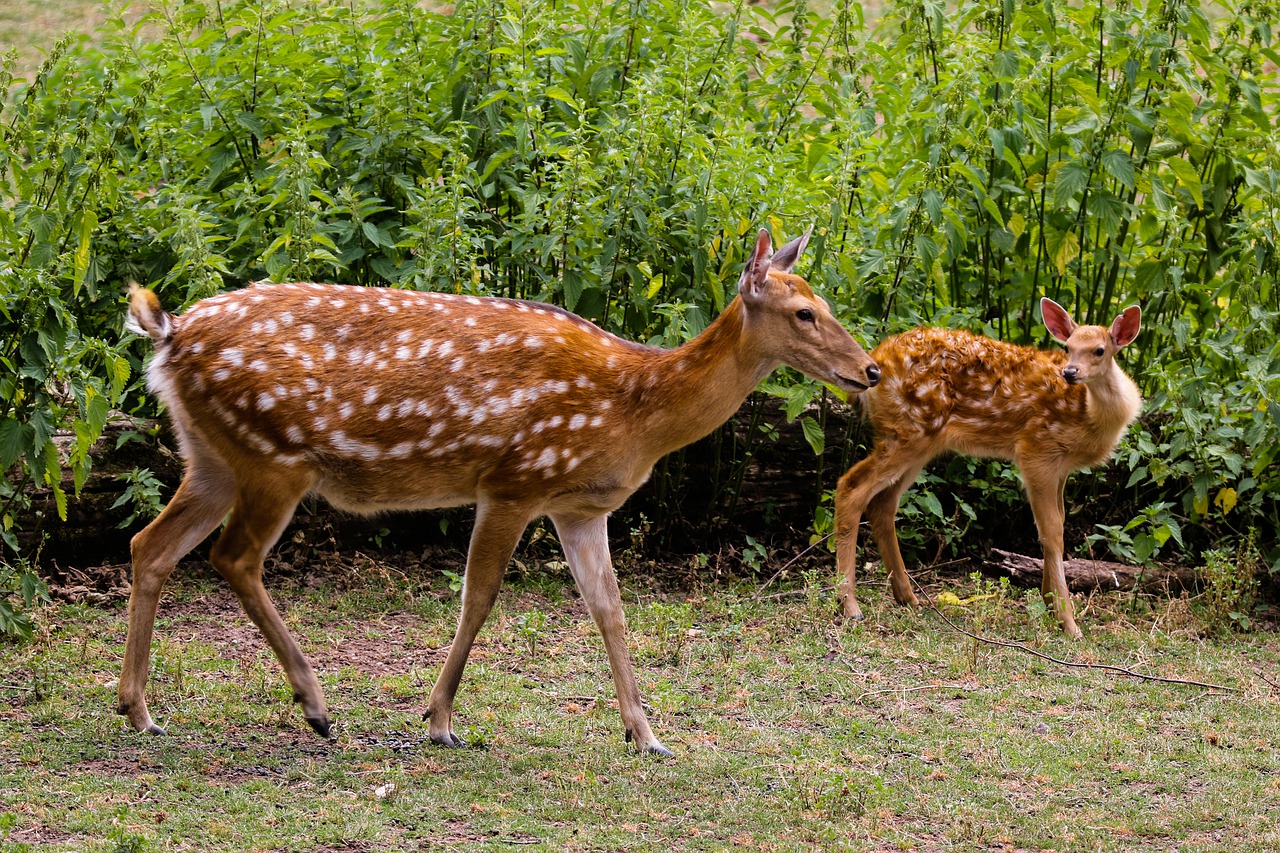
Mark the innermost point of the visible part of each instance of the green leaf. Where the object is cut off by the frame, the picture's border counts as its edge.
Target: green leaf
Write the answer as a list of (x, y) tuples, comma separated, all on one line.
[(1188, 177), (813, 434), (1119, 165), (88, 222), (15, 439)]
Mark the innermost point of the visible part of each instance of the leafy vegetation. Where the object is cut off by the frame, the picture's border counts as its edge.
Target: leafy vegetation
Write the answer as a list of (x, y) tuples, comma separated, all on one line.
[(958, 161)]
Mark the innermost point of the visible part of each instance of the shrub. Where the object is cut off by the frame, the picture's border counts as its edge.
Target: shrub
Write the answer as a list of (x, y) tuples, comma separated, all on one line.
[(959, 163)]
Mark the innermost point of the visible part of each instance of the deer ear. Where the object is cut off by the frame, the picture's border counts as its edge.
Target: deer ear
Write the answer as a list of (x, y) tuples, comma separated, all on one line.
[(756, 273), (1125, 327), (785, 258), (1056, 319)]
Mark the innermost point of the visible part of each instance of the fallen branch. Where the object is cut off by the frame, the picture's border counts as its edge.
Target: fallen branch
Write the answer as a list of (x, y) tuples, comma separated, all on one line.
[(1091, 575)]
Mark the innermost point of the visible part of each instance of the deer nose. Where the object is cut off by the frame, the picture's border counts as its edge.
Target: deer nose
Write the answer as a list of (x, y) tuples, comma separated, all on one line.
[(1071, 374), (873, 376)]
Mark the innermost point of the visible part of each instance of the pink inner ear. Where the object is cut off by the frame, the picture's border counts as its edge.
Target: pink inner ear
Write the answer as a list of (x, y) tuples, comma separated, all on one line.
[(1125, 327), (1056, 319)]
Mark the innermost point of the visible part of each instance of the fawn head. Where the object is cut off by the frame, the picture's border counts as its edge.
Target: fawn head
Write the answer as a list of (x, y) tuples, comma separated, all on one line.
[(1089, 348), (796, 323)]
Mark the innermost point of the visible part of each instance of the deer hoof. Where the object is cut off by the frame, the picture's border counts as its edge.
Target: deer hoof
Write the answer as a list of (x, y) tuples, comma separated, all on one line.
[(660, 751), (448, 740), (153, 729), (320, 724)]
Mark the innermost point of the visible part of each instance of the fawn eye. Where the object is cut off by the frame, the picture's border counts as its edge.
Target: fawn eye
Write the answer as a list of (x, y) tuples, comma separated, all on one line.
[(805, 314), (1099, 351)]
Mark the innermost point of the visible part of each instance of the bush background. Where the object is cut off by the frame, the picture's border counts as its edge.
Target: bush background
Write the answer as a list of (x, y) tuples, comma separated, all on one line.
[(958, 162)]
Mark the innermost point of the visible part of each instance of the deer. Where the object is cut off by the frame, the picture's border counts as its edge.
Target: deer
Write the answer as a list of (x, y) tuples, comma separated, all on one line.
[(1050, 413), (379, 399)]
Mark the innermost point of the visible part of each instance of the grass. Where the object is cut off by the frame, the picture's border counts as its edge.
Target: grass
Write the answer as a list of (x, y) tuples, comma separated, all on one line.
[(790, 731)]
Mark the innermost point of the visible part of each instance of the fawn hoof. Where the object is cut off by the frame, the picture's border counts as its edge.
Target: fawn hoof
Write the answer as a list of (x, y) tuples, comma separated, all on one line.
[(448, 740), (660, 751), (153, 729), (851, 611), (320, 724)]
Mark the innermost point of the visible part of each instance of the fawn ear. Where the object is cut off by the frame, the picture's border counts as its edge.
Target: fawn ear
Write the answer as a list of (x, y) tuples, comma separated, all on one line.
[(1056, 319), (756, 273), (785, 258), (1125, 327)]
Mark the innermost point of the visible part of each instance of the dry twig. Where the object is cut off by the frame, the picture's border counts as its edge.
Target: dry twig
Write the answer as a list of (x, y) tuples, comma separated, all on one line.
[(1008, 644)]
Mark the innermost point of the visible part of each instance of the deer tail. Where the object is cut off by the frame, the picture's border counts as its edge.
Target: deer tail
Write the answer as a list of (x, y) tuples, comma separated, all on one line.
[(146, 317)]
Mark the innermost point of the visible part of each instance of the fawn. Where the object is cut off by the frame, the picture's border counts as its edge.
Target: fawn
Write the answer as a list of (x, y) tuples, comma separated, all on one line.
[(380, 399), (1050, 413)]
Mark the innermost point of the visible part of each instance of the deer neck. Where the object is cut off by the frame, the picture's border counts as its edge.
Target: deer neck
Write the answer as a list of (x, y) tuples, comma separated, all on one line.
[(1112, 402), (695, 388)]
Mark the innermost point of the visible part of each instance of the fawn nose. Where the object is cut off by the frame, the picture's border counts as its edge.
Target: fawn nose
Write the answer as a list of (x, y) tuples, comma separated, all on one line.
[(1071, 374), (873, 376)]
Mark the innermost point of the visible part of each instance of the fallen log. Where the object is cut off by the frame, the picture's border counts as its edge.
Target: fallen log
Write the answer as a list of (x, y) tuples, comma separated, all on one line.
[(1091, 575)]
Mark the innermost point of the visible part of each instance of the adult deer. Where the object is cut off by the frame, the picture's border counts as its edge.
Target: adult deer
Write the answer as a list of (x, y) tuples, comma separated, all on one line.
[(380, 399), (1050, 413)]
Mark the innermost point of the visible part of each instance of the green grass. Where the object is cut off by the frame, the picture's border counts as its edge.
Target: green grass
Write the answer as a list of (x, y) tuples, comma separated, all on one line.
[(790, 731)]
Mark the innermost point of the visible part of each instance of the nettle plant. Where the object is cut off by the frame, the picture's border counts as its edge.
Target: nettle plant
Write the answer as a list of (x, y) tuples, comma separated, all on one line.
[(958, 163)]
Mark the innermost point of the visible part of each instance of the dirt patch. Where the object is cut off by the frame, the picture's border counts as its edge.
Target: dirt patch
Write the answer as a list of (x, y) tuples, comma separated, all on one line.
[(40, 835)]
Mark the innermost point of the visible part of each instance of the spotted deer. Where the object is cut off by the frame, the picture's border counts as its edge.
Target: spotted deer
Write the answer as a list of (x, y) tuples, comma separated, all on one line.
[(1051, 413), (382, 399)]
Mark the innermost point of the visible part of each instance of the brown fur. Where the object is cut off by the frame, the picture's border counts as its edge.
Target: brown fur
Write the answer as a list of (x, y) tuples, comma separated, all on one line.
[(385, 399), (946, 390)]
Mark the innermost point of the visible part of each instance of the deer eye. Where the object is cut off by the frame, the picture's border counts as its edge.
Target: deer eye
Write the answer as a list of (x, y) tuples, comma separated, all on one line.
[(805, 314), (1099, 352)]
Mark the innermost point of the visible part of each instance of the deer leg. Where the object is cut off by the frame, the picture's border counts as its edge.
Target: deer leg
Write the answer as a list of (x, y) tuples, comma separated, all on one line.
[(257, 520), (860, 485), (882, 513), (199, 505), (493, 542), (1046, 495), (586, 546)]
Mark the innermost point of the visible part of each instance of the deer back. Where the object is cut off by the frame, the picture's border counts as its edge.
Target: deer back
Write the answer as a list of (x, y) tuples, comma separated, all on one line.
[(391, 398)]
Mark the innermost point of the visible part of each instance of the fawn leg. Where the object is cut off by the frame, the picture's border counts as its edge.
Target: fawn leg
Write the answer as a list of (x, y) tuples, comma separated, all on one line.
[(586, 546), (1046, 495), (883, 469), (199, 505), (853, 492), (259, 517), (493, 542), (882, 513)]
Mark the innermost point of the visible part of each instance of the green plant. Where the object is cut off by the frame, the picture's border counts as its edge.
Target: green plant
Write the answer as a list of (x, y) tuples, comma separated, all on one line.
[(1140, 540), (22, 591), (141, 494), (754, 555), (1231, 583), (529, 626), (456, 580)]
